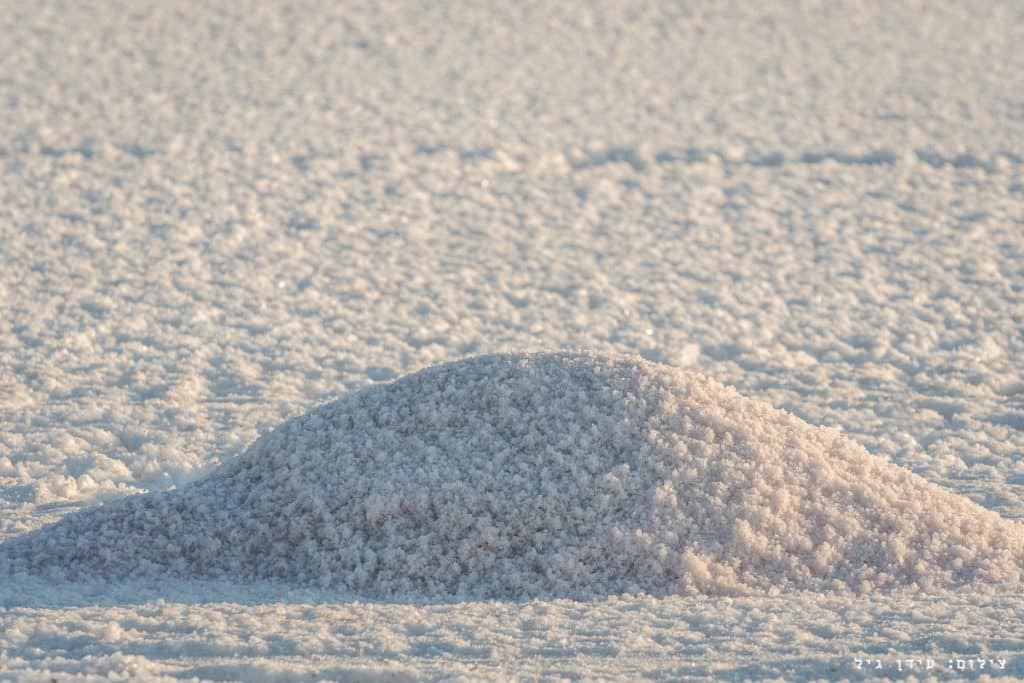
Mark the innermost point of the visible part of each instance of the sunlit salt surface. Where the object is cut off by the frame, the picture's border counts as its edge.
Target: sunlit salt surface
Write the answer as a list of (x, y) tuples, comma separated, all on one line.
[(544, 475)]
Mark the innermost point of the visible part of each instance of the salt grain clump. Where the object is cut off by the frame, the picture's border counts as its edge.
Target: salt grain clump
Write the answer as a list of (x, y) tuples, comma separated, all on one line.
[(551, 475)]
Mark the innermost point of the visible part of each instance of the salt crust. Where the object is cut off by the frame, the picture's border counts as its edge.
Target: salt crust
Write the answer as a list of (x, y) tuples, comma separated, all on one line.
[(544, 475)]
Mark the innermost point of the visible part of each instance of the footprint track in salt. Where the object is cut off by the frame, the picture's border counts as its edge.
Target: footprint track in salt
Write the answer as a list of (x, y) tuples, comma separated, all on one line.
[(544, 475)]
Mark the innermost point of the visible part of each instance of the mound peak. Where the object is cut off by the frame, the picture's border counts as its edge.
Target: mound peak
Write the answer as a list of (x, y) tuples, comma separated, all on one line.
[(544, 475)]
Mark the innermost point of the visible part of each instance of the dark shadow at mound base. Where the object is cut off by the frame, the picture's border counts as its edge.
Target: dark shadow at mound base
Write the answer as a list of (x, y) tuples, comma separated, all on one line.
[(35, 592), (521, 476)]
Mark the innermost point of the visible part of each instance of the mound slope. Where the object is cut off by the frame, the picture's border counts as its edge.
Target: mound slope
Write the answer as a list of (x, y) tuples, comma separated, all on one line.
[(544, 475)]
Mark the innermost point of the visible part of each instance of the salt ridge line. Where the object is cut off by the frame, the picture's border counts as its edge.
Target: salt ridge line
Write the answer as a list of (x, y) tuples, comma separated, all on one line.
[(544, 475)]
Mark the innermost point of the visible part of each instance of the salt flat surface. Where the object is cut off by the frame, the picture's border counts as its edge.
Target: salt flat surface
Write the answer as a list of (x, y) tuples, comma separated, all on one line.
[(215, 218)]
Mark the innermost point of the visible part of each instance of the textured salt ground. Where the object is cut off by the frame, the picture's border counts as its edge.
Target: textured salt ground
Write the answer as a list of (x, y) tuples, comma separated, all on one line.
[(216, 215), (234, 632), (545, 475)]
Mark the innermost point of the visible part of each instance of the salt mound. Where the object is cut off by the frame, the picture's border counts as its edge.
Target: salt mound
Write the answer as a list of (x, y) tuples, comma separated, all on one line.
[(555, 475)]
